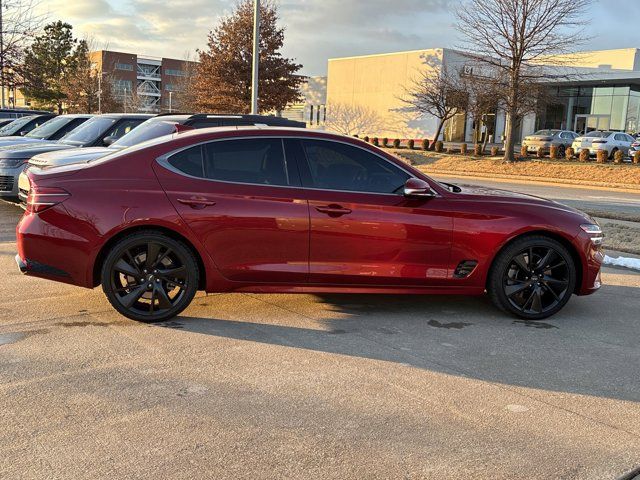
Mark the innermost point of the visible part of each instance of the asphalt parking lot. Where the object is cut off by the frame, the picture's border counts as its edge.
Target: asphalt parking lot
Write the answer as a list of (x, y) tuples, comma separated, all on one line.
[(306, 386)]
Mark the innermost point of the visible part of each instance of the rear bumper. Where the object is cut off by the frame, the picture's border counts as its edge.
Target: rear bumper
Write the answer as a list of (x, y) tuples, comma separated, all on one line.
[(47, 250)]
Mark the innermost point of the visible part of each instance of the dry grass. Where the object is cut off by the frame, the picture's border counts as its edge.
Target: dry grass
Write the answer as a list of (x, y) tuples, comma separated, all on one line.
[(546, 170), (622, 237)]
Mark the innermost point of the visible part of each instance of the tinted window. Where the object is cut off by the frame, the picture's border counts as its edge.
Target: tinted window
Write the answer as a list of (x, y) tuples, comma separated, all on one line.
[(188, 161), (337, 166), (70, 126), (253, 160), (123, 127)]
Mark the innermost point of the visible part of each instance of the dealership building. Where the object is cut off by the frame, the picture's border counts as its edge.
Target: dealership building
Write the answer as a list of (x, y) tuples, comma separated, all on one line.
[(593, 90)]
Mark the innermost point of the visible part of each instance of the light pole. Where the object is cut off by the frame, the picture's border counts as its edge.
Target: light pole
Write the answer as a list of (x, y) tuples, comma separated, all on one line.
[(1, 55), (256, 57), (170, 101)]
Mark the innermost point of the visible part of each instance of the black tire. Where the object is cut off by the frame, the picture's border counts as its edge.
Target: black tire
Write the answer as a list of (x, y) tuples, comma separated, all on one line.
[(561, 151), (532, 278), (150, 277), (613, 153)]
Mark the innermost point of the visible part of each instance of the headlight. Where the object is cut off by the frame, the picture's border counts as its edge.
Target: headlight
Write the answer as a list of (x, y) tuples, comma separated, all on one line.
[(12, 162), (594, 231)]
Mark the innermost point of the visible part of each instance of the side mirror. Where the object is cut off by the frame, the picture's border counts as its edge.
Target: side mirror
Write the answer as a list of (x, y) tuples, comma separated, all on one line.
[(416, 188), (108, 140), (23, 133)]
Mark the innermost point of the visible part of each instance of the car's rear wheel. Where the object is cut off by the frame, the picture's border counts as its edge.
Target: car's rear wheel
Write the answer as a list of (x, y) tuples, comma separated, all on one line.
[(561, 151), (148, 276), (532, 278)]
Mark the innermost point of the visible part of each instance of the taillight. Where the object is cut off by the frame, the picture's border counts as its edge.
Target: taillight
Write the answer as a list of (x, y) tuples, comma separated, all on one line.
[(599, 141), (41, 198)]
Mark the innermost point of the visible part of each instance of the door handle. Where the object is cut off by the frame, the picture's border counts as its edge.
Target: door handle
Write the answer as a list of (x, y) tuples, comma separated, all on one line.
[(196, 203), (334, 210)]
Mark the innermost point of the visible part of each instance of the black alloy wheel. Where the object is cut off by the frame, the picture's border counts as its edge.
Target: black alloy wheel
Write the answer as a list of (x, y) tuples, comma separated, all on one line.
[(148, 276), (532, 278), (561, 151)]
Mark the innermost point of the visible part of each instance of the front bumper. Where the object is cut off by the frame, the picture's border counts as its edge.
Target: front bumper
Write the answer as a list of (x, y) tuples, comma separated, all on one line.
[(9, 181)]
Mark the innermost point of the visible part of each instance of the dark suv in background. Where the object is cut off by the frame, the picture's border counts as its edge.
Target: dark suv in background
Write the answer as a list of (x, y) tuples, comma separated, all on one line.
[(158, 126)]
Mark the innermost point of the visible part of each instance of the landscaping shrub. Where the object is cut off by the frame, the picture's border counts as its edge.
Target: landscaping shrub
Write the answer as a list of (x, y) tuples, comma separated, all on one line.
[(366, 138), (425, 144), (477, 149), (569, 153), (396, 143), (553, 152), (584, 155), (376, 142), (540, 152), (495, 151), (439, 146), (463, 149), (636, 157), (602, 156), (618, 157), (411, 144), (523, 151), (385, 142)]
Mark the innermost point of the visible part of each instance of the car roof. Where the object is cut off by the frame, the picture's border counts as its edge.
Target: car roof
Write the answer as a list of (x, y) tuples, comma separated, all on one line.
[(77, 115), (127, 115)]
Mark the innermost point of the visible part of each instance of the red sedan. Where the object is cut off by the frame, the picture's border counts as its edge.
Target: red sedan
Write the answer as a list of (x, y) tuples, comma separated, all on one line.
[(287, 210)]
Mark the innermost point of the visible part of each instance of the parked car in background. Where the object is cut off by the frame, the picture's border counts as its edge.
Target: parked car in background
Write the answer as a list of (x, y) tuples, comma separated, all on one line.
[(635, 147), (53, 129), (5, 121), (23, 125), (546, 138), (98, 130), (611, 142), (259, 209), (158, 126), (13, 113)]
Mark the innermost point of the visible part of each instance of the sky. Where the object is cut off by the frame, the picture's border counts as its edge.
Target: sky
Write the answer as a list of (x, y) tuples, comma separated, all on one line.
[(316, 30)]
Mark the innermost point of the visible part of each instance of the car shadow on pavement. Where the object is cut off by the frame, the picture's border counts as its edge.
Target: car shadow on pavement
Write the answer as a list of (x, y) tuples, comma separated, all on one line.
[(586, 349)]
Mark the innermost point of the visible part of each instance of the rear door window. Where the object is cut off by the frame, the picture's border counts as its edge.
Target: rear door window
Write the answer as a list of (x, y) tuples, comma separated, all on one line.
[(258, 161)]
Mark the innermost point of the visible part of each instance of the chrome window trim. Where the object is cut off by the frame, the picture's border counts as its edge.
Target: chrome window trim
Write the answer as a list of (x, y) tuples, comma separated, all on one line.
[(163, 160)]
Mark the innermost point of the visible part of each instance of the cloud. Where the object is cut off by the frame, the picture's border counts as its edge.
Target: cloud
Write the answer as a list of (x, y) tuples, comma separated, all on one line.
[(315, 29)]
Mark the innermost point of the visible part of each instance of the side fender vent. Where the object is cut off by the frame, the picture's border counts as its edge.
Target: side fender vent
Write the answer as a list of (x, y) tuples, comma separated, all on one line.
[(465, 268)]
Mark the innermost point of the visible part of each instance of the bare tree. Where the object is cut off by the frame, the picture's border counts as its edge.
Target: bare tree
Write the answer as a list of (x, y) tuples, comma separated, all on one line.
[(513, 38), (19, 25), (438, 92), (350, 119)]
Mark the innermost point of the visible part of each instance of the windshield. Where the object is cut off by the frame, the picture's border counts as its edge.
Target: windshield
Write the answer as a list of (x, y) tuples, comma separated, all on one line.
[(48, 128), (15, 126), (89, 131), (546, 132), (146, 131)]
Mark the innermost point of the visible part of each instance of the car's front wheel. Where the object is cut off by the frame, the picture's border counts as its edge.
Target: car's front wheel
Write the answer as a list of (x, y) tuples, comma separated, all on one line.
[(532, 278), (148, 276)]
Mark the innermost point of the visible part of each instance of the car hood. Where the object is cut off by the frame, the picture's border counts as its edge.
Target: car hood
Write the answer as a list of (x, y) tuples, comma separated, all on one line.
[(507, 196), (12, 141), (28, 151), (66, 157)]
